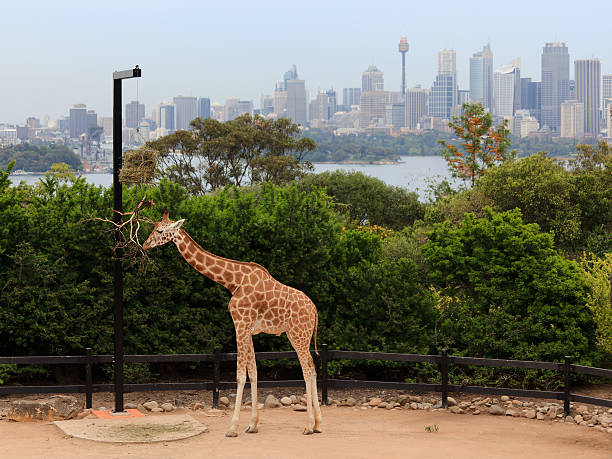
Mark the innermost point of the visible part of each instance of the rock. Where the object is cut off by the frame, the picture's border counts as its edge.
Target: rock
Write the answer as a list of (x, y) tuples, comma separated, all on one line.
[(605, 420), (464, 405), (294, 399), (595, 419), (303, 400), (517, 403), (83, 414), (375, 401), (157, 409), (102, 408), (540, 416), (530, 414), (415, 398), (53, 408), (286, 401), (414, 406), (569, 419), (451, 401), (513, 413), (427, 406), (141, 408), (578, 419), (496, 410), (271, 402), (382, 405), (504, 398), (299, 408), (167, 407), (552, 412), (350, 401), (456, 410), (150, 405), (198, 406), (390, 406), (131, 406), (476, 412), (582, 409), (224, 401)]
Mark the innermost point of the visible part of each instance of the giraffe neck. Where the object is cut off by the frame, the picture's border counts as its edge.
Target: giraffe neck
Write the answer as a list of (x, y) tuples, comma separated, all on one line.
[(220, 270)]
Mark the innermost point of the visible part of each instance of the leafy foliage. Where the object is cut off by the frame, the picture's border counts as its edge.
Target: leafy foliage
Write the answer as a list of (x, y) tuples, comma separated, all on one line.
[(598, 274), (483, 145), (34, 158)]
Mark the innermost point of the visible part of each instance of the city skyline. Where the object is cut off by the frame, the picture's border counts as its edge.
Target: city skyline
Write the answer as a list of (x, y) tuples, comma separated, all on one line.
[(62, 56)]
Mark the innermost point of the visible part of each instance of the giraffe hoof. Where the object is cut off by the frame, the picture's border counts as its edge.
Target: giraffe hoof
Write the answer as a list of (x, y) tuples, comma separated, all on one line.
[(308, 431), (251, 429), (317, 430), (231, 434)]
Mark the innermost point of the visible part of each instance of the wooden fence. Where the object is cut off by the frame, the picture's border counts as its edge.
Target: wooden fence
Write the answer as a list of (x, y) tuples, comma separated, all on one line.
[(442, 361)]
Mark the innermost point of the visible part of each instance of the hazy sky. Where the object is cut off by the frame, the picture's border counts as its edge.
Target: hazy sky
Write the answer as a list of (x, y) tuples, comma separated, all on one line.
[(54, 54)]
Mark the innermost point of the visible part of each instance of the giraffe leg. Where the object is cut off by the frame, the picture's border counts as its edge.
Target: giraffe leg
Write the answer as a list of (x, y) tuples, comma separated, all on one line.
[(308, 371), (241, 380), (252, 369), (318, 417)]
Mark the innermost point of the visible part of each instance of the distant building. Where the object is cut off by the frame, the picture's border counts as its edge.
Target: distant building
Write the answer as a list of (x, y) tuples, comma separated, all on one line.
[(416, 107), (588, 77), (350, 97), (481, 77), (395, 115), (296, 101), (572, 119), (606, 87), (266, 105), (333, 102), (165, 116), (280, 102), (204, 107), (372, 108), (524, 123), (319, 107), (443, 96), (185, 111), (608, 117), (78, 120), (463, 96), (555, 83), (372, 80), (134, 112), (235, 107), (507, 90), (106, 123), (447, 61)]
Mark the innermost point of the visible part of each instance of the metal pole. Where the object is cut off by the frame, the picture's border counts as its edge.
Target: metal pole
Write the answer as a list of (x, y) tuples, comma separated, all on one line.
[(117, 217), (216, 376), (88, 379), (567, 381), (444, 371), (324, 377), (118, 253)]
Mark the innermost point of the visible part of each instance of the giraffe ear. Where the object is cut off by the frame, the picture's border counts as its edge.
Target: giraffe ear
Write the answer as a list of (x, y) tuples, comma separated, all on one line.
[(165, 217), (177, 224)]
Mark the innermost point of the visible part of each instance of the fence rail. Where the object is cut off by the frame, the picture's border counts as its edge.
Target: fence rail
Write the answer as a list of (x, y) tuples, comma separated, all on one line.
[(442, 361)]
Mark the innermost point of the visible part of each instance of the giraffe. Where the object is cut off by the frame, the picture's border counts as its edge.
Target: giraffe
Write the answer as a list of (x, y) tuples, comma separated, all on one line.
[(259, 304)]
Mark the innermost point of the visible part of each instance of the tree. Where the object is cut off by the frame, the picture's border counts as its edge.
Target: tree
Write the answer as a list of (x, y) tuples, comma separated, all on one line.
[(598, 274), (243, 150), (483, 145)]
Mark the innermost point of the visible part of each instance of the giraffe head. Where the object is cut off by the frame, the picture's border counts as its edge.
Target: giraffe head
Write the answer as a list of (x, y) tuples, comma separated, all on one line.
[(164, 231)]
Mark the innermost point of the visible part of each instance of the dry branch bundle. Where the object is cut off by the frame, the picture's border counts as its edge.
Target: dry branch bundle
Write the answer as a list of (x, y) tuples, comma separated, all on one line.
[(138, 166)]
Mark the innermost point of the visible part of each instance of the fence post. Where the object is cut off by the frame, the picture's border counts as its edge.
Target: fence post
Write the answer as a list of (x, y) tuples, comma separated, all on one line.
[(444, 372), (324, 382), (216, 376), (88, 378), (567, 381)]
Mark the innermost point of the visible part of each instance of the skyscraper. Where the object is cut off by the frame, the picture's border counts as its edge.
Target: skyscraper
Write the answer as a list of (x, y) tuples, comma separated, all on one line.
[(350, 96), (481, 77), (372, 79), (134, 112), (443, 95), (555, 83), (606, 87), (78, 120), (403, 49), (333, 102), (416, 106), (296, 101), (372, 108), (166, 116), (588, 78), (572, 119), (204, 107), (320, 107), (185, 111), (507, 90)]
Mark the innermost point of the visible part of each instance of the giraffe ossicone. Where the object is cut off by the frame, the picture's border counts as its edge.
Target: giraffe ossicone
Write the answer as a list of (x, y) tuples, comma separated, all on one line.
[(259, 304)]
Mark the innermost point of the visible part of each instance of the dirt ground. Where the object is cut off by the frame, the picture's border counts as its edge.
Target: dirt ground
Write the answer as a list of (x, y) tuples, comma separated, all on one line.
[(348, 433)]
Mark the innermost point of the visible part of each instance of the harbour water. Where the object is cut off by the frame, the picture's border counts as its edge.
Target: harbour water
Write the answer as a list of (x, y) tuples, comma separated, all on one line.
[(414, 173)]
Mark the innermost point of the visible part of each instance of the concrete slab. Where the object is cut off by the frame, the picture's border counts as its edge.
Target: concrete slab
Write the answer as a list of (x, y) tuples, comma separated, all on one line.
[(134, 430)]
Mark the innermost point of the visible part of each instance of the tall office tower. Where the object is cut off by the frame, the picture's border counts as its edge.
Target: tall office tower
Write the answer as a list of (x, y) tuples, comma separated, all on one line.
[(395, 115), (333, 102), (291, 74), (319, 109), (266, 104), (235, 107), (372, 79), (443, 96), (106, 123), (572, 119), (463, 96), (33, 122), (204, 107), (92, 119), (134, 112), (588, 85), (606, 87), (165, 116), (280, 102), (481, 77), (571, 93), (447, 61), (555, 83), (403, 49), (296, 101), (608, 117), (78, 120), (350, 97), (507, 90), (185, 111), (372, 108), (416, 106)]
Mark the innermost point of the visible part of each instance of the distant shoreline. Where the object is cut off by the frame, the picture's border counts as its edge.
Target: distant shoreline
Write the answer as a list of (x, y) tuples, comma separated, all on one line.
[(381, 162)]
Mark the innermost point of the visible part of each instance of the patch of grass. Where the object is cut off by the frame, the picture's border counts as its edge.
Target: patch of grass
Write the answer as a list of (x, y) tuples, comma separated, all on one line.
[(432, 428)]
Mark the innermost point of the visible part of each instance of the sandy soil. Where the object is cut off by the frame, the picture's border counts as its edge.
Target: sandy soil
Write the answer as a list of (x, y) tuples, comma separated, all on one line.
[(348, 433)]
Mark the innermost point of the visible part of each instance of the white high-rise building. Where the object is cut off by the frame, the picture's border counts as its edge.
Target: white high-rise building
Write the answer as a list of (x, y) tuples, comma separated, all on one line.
[(588, 83), (572, 119), (481, 77), (447, 61), (372, 80), (416, 106), (507, 90), (296, 101), (185, 111)]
